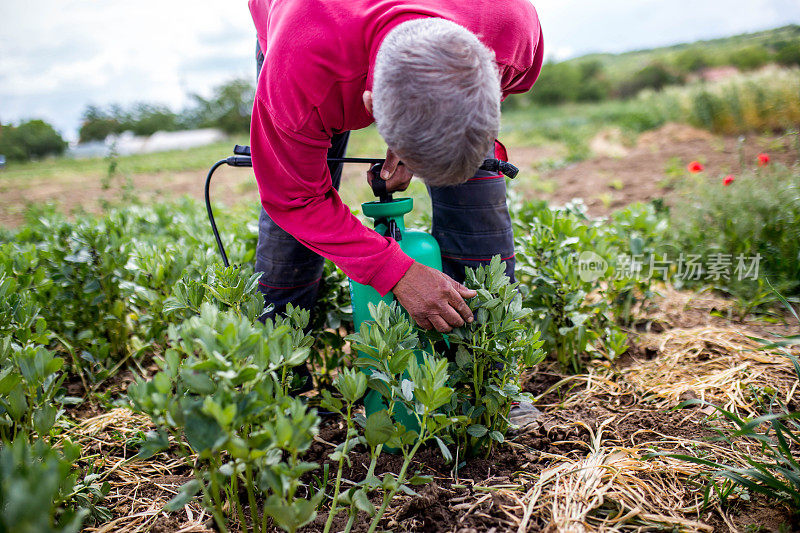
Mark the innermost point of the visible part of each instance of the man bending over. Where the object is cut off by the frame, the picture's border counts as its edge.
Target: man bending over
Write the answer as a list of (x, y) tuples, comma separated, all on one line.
[(431, 75)]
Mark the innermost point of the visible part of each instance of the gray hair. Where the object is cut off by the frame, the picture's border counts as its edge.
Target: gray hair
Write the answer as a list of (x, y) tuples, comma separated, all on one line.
[(436, 99)]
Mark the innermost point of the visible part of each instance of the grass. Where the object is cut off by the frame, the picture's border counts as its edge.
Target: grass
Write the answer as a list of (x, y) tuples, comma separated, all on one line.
[(65, 168)]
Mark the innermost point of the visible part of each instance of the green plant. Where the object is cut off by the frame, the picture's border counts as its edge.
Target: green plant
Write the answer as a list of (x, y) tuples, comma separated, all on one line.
[(330, 318), (407, 383), (753, 224), (30, 390), (223, 393), (492, 352), (224, 287), (352, 385), (40, 491)]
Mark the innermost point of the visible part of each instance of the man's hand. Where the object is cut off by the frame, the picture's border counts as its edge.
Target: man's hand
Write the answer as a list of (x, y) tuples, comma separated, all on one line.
[(433, 299), (396, 175)]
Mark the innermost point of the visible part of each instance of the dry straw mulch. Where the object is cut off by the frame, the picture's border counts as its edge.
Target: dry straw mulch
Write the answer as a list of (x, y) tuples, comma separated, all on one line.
[(602, 481), (719, 365), (139, 489)]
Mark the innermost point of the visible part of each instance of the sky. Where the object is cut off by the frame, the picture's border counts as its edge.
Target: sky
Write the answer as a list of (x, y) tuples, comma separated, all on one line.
[(58, 56)]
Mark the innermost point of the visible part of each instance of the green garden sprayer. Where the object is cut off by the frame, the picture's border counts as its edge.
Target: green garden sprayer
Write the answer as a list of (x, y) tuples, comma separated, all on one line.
[(388, 215)]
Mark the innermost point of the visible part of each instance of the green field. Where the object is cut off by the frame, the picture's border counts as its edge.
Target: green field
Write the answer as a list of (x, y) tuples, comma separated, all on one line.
[(654, 326)]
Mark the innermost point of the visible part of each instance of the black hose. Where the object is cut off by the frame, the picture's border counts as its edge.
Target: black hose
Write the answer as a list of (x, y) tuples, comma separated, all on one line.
[(242, 159), (211, 213)]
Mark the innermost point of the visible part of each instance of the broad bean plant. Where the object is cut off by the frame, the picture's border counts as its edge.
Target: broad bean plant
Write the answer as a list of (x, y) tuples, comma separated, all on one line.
[(490, 355), (222, 398), (407, 381)]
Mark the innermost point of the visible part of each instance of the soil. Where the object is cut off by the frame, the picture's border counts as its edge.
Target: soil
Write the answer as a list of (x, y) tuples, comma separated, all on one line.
[(618, 175), (566, 427)]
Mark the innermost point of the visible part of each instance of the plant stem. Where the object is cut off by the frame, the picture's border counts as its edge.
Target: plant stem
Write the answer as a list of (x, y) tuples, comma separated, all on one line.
[(401, 476), (251, 498), (215, 491), (237, 504), (332, 512), (374, 461), (209, 502)]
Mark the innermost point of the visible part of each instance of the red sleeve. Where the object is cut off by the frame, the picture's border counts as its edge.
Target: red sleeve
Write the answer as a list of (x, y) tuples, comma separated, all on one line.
[(515, 81), (295, 187)]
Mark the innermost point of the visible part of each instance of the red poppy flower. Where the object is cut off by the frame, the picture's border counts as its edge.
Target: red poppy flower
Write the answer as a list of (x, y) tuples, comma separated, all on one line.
[(728, 180), (695, 167), (763, 160)]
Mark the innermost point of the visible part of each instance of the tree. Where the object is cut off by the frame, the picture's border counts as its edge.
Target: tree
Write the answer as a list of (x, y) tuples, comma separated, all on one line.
[(654, 76), (97, 124), (228, 109), (146, 119), (29, 140)]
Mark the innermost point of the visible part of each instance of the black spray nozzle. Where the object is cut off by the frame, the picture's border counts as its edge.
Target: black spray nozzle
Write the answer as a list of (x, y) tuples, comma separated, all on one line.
[(241, 150), (503, 167), (239, 161)]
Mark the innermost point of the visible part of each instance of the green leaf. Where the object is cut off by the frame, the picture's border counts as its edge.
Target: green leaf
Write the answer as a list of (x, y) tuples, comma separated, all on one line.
[(496, 435), (379, 428), (407, 388), (44, 418), (203, 433), (155, 442), (362, 503), (187, 492), (197, 382), (477, 430), (463, 357), (9, 381), (448, 457), (399, 361)]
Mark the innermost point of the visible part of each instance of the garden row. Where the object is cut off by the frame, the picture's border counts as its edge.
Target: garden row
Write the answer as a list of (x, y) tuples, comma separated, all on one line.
[(81, 300)]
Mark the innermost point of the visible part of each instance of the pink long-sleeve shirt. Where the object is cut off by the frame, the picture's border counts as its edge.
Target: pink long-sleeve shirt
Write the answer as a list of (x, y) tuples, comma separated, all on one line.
[(318, 60)]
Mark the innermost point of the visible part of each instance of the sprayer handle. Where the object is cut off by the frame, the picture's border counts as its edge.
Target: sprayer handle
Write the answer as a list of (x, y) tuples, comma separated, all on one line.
[(378, 183)]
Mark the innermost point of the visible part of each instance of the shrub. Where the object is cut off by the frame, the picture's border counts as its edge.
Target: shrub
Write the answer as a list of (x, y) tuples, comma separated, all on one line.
[(655, 76), (557, 83), (749, 57), (762, 101), (789, 54), (30, 140), (757, 215), (691, 60)]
